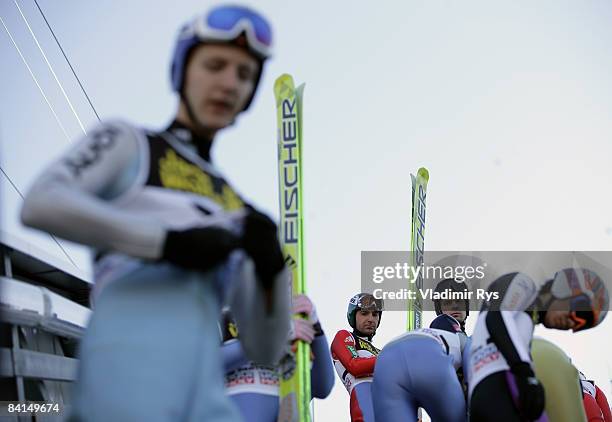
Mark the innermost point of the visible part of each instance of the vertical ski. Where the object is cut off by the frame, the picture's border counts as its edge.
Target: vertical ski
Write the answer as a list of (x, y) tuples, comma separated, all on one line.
[(417, 244), (295, 368)]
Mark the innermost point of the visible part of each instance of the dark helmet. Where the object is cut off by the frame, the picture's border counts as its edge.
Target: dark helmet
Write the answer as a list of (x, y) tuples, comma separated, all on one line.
[(447, 323), (365, 301), (454, 286)]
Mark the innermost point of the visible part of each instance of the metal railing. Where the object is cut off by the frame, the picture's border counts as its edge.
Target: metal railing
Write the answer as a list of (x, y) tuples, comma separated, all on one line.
[(41, 330)]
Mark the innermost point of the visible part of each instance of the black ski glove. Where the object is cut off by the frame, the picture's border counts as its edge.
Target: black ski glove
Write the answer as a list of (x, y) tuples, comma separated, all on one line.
[(260, 241), (200, 248), (531, 392)]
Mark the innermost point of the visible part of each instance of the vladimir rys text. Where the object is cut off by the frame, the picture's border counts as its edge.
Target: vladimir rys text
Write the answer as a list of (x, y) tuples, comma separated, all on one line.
[(430, 294)]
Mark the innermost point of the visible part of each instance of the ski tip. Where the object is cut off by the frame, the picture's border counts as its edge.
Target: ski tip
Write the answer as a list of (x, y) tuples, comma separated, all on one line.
[(284, 77), (299, 93), (424, 173), (284, 81)]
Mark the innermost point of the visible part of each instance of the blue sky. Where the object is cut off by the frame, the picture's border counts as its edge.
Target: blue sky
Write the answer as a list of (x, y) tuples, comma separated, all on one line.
[(508, 104)]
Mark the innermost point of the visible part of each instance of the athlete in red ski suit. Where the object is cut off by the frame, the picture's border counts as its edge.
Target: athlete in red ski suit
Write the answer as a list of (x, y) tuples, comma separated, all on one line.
[(354, 354), (354, 358), (595, 402)]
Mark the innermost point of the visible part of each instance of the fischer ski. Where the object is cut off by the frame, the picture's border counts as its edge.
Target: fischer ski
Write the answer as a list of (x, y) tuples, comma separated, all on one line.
[(417, 245), (295, 367)]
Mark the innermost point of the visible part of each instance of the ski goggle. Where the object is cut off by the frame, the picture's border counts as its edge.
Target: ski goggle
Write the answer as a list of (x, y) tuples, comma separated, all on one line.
[(369, 303), (226, 23)]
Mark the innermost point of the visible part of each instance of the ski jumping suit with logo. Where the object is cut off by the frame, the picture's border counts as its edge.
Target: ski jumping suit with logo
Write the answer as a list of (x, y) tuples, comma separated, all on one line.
[(501, 339), (595, 402), (254, 388), (354, 358), (418, 369), (149, 352)]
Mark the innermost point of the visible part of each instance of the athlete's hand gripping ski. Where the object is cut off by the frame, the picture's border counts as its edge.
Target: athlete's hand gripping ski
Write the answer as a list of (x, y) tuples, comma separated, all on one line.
[(304, 329)]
